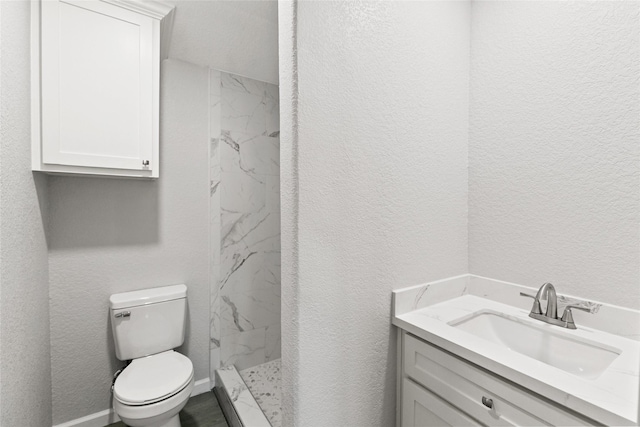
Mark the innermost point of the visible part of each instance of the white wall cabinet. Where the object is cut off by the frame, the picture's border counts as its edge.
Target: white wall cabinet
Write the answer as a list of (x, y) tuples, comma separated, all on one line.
[(438, 388), (96, 82)]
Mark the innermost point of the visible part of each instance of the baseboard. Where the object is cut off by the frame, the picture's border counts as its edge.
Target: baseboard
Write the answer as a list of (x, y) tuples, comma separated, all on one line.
[(99, 419), (108, 416), (201, 386)]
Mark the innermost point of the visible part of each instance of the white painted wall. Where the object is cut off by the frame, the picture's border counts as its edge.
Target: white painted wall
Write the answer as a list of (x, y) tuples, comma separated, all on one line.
[(240, 37), (24, 304), (116, 235), (374, 191), (554, 151)]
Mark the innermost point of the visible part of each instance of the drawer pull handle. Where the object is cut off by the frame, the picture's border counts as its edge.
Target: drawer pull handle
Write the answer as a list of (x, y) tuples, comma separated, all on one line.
[(487, 402)]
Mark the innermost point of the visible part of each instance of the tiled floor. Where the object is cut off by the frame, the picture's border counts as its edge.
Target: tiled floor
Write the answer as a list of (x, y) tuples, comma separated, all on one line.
[(201, 411), (264, 382)]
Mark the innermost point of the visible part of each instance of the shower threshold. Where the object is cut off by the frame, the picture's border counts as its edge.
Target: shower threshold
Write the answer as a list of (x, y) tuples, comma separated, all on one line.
[(250, 397)]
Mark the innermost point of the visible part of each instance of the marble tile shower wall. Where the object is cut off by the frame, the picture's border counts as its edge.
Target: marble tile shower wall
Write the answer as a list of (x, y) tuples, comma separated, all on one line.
[(245, 221)]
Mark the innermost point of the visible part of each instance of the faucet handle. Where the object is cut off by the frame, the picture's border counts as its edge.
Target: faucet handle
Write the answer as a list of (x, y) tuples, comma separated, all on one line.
[(535, 309), (567, 316)]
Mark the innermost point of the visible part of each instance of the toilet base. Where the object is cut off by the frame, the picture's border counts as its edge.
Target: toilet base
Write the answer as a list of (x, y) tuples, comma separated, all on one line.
[(160, 414), (172, 422)]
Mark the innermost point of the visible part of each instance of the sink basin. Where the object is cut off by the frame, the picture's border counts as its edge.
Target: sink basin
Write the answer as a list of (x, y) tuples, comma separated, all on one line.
[(584, 358)]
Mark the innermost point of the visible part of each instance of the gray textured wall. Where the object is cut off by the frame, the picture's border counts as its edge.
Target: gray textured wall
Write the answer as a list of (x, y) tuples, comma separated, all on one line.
[(25, 395), (240, 37), (554, 151), (374, 191), (116, 235)]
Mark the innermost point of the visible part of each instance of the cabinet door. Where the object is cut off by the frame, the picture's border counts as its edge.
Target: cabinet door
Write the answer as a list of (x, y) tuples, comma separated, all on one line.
[(97, 85), (464, 386), (421, 408)]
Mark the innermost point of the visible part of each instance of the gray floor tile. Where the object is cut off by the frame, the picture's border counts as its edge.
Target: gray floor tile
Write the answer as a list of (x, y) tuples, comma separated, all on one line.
[(202, 410)]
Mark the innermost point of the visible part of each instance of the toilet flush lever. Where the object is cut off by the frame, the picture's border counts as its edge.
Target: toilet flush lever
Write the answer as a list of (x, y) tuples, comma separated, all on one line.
[(487, 402), (123, 314)]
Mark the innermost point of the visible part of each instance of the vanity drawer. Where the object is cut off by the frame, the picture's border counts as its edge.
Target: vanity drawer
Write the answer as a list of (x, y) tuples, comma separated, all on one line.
[(421, 408), (464, 385)]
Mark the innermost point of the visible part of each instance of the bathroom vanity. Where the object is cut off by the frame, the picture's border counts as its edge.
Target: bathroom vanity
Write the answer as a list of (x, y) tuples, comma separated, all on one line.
[(469, 354)]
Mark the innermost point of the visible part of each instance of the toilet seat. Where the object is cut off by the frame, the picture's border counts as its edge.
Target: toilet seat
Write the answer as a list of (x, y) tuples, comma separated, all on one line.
[(150, 379), (149, 415)]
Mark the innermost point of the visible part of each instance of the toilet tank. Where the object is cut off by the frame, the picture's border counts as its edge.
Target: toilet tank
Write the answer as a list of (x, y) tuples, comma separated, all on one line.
[(148, 321)]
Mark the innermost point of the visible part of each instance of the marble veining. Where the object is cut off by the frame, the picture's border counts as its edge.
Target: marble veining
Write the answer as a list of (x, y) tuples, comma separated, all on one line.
[(419, 296), (243, 112), (593, 307), (245, 221), (243, 84), (254, 155), (264, 382), (272, 106)]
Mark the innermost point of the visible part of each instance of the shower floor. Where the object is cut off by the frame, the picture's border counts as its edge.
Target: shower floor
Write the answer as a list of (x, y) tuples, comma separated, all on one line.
[(264, 382)]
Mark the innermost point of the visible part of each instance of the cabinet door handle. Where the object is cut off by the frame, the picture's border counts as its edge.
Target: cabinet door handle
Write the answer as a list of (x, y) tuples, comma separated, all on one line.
[(487, 402)]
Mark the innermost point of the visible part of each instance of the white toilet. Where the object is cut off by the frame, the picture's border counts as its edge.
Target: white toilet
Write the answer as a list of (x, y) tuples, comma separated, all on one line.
[(147, 325)]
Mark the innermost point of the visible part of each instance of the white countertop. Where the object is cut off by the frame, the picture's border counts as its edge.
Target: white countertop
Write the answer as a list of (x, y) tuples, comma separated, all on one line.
[(611, 399)]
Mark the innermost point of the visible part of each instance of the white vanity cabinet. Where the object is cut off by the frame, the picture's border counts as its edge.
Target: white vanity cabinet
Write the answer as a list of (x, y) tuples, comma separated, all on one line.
[(437, 388), (95, 86)]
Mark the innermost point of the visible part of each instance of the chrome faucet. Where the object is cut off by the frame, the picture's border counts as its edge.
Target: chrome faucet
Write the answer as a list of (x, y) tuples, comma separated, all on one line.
[(548, 292)]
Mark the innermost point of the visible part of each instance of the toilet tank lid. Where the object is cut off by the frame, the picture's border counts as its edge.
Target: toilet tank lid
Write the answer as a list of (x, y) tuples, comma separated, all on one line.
[(147, 296)]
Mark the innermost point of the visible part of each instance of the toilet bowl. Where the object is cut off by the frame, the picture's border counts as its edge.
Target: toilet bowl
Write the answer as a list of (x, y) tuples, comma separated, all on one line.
[(151, 391), (147, 325)]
